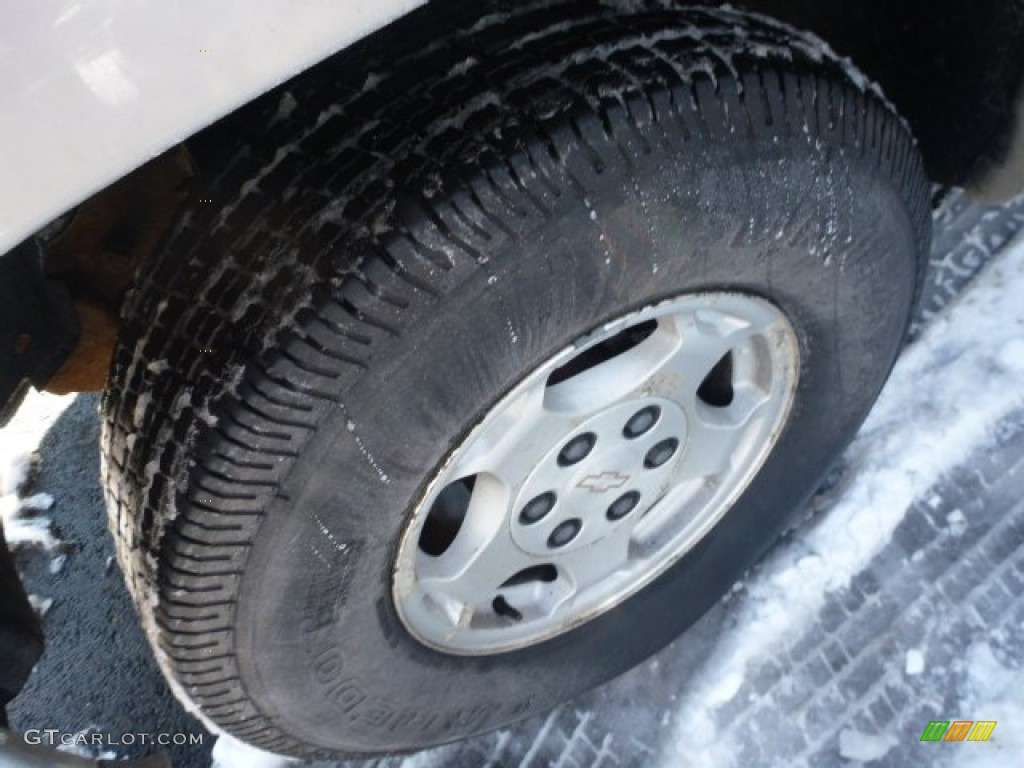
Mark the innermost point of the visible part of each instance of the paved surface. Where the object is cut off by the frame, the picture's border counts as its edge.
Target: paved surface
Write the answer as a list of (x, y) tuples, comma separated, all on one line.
[(97, 669), (953, 575), (935, 588)]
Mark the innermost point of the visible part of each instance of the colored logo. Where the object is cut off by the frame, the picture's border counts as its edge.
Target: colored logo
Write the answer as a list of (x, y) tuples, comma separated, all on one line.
[(958, 730)]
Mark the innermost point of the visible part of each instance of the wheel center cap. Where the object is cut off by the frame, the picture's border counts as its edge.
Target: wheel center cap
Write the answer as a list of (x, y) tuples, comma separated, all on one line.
[(603, 482), (600, 478)]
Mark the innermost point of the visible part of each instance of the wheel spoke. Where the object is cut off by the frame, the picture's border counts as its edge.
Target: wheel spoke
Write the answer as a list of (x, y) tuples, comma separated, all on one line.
[(717, 435), (590, 565), (615, 378), (510, 445), (537, 599), (482, 555), (703, 339)]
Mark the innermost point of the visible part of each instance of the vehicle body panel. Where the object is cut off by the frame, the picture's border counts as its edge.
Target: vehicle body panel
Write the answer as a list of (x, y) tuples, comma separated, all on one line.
[(92, 90)]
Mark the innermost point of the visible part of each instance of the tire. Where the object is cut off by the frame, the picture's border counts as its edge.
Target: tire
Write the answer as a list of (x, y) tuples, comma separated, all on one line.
[(386, 263)]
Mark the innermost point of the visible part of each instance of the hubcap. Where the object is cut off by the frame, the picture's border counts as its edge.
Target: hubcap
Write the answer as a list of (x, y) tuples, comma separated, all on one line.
[(596, 473)]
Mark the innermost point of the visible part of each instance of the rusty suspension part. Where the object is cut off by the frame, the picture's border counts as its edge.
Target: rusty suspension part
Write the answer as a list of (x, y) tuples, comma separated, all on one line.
[(98, 252)]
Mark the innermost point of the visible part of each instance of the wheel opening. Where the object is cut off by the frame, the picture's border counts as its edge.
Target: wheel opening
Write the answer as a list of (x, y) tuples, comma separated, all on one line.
[(598, 354), (716, 389), (502, 608), (446, 516), (545, 573)]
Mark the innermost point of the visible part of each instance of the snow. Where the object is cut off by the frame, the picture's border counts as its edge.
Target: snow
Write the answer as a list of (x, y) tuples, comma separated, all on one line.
[(39, 502), (956, 521), (78, 745), (915, 662), (34, 418), (231, 753), (993, 691), (23, 526), (864, 747), (41, 605), (923, 425), (16, 472), (462, 67), (158, 367), (141, 406), (727, 686), (29, 532), (285, 107)]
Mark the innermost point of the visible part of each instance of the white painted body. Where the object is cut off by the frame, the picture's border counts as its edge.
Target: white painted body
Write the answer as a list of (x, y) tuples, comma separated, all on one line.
[(91, 89)]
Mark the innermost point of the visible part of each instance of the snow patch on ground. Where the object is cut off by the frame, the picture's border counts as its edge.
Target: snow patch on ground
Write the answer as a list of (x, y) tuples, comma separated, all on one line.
[(436, 758), (727, 686), (37, 502), (915, 662), (947, 394), (41, 605), (16, 472), (231, 753), (992, 691), (77, 745), (22, 525), (20, 531), (864, 747), (957, 522), (20, 517)]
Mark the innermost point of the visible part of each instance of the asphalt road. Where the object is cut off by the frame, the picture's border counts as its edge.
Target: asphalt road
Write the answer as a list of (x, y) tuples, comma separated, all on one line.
[(97, 669), (98, 672)]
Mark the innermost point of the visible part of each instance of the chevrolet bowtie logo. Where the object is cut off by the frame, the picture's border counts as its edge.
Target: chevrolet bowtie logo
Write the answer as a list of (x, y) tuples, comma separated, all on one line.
[(603, 482)]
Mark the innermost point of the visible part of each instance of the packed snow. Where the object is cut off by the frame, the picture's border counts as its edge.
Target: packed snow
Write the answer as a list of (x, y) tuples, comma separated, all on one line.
[(78, 745), (24, 525), (16, 471), (21, 531), (915, 662), (994, 691), (864, 747), (21, 516), (957, 522), (231, 753), (41, 605)]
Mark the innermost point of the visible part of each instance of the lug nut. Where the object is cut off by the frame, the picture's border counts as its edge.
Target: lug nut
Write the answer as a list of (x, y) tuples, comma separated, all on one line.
[(537, 508), (641, 422), (577, 449), (564, 533), (660, 453), (623, 505)]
